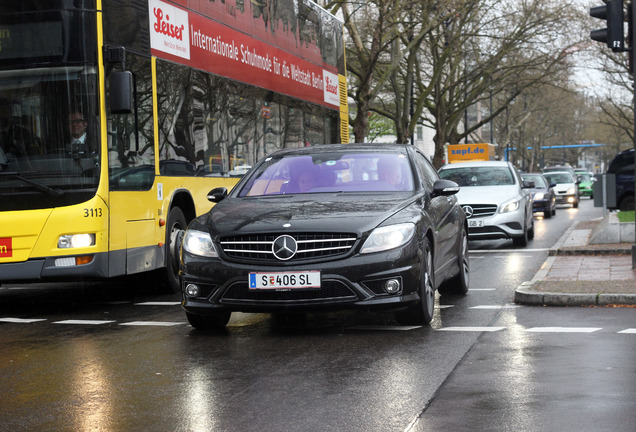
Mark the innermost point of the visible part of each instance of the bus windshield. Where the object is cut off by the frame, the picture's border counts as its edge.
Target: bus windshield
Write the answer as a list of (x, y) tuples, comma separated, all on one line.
[(49, 152)]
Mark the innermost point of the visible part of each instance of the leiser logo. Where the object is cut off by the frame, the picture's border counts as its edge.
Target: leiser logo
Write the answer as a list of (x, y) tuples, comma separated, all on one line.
[(169, 29), (6, 248), (331, 88)]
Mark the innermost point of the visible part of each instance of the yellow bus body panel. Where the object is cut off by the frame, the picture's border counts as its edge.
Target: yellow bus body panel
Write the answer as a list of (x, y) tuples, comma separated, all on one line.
[(35, 233)]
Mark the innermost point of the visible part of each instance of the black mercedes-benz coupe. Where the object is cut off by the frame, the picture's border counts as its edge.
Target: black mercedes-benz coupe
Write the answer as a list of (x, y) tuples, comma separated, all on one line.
[(328, 227)]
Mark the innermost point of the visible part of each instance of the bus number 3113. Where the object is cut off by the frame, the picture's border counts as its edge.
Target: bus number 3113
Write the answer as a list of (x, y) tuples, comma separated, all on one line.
[(96, 212)]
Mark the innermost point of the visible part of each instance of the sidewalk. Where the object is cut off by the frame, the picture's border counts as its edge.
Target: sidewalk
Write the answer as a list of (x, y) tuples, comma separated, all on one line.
[(578, 273)]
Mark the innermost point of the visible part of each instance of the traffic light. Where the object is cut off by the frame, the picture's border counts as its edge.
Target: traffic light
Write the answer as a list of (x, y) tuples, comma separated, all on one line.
[(613, 35)]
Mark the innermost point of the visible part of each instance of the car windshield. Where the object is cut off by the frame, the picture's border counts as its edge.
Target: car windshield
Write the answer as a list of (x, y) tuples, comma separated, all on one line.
[(538, 180), (585, 177), (478, 176), (330, 172), (559, 177)]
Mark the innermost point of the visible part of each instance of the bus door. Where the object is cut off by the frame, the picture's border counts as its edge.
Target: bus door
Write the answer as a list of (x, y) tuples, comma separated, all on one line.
[(134, 198)]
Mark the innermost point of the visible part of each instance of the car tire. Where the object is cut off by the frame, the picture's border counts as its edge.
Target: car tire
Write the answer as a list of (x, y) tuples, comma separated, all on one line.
[(175, 229), (422, 312), (522, 240), (575, 204), (554, 211), (459, 284), (531, 231), (547, 214), (216, 321)]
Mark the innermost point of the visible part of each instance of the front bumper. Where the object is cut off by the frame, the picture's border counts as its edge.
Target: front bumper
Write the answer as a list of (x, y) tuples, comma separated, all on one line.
[(356, 281), (542, 206), (565, 198), (500, 225)]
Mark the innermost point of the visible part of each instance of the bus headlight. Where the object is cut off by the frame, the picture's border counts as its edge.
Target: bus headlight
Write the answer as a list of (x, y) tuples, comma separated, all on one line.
[(199, 243), (71, 241)]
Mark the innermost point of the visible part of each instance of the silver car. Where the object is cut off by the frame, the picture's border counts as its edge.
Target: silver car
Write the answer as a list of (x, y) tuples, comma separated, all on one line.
[(496, 200)]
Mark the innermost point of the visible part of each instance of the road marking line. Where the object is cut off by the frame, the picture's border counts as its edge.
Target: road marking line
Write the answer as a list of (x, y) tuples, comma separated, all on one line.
[(492, 307), (445, 306), (379, 327), (89, 322), (472, 329), (152, 323), (563, 329), (628, 331), (22, 320), (158, 304), (476, 251)]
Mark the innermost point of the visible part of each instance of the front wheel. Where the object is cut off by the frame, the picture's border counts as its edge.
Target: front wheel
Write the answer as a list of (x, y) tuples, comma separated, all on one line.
[(458, 285), (422, 312), (175, 229)]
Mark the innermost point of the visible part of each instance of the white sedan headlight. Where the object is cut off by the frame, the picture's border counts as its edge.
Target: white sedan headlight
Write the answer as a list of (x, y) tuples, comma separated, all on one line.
[(571, 191), (510, 206), (199, 243), (388, 237)]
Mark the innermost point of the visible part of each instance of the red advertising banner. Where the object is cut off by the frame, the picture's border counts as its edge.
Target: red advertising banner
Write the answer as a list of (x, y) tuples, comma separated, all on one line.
[(6, 248), (191, 39)]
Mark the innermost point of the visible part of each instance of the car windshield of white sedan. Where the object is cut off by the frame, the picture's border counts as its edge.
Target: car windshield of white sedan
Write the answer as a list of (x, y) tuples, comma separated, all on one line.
[(331, 172), (478, 176), (559, 178)]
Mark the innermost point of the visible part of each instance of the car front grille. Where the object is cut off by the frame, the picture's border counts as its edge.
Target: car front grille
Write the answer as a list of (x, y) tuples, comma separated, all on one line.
[(330, 291), (259, 247), (481, 210)]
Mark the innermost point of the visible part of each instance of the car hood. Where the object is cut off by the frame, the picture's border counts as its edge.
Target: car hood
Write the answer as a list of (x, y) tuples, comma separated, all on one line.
[(562, 186), (487, 194), (328, 213)]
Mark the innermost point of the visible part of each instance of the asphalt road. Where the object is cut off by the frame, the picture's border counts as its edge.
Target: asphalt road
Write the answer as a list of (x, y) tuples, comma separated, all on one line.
[(111, 357)]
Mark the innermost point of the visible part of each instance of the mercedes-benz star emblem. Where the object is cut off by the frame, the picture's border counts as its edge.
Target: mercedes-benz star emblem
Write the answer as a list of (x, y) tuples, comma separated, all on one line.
[(468, 210), (284, 247)]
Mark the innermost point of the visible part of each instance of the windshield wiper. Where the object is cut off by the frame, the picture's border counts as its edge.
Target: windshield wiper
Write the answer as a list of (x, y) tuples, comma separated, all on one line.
[(55, 193)]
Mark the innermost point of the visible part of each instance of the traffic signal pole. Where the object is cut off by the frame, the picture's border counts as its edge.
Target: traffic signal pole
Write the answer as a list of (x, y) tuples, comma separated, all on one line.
[(613, 11), (631, 34)]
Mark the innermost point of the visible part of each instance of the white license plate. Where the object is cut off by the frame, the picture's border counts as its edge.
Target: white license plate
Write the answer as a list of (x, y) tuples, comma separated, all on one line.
[(285, 280), (475, 223)]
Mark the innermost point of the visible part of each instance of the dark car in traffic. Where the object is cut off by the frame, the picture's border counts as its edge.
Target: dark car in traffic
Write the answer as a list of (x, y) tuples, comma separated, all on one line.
[(328, 227), (543, 196)]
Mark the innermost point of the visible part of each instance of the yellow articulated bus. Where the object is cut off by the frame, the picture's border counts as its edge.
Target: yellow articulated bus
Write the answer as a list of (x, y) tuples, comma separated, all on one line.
[(118, 117)]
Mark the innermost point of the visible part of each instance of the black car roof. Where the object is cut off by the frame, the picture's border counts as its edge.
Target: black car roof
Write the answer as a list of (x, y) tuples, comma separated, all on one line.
[(326, 148)]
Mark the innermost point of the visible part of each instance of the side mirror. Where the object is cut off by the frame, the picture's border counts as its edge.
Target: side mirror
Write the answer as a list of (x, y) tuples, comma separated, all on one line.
[(121, 92), (444, 188), (552, 185), (217, 194)]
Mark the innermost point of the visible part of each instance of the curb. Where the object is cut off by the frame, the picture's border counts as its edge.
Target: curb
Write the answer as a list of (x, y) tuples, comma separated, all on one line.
[(524, 294)]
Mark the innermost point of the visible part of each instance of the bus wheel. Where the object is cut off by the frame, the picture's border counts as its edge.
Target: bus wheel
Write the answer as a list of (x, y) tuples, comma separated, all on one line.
[(175, 229)]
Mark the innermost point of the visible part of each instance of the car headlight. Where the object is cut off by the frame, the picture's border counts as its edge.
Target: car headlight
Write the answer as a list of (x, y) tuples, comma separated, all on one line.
[(571, 191), (510, 206), (199, 243), (539, 195), (388, 237)]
